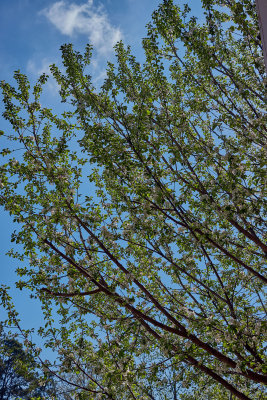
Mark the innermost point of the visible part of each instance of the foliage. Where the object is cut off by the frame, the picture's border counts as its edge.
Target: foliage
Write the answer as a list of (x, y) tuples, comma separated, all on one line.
[(141, 210), (19, 376)]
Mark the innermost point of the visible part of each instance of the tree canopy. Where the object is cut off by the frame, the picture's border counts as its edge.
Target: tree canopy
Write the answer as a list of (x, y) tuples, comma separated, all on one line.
[(142, 207), (19, 375)]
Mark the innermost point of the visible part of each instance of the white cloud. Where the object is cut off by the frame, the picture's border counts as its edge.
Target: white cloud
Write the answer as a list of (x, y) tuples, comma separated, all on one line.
[(39, 68), (87, 19)]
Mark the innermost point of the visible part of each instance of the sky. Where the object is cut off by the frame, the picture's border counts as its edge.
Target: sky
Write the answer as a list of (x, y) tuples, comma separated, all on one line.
[(32, 32)]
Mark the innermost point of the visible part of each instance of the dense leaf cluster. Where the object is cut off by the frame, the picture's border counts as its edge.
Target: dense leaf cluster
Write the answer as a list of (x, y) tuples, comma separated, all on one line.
[(19, 374)]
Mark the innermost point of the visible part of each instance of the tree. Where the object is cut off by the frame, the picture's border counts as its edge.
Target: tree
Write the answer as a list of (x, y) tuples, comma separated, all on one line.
[(19, 376), (141, 210)]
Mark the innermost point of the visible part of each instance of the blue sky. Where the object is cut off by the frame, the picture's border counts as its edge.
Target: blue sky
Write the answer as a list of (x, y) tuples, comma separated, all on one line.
[(32, 32)]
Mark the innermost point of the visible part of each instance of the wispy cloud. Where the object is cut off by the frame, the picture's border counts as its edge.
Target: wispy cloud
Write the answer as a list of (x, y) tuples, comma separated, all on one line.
[(86, 19), (40, 67)]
